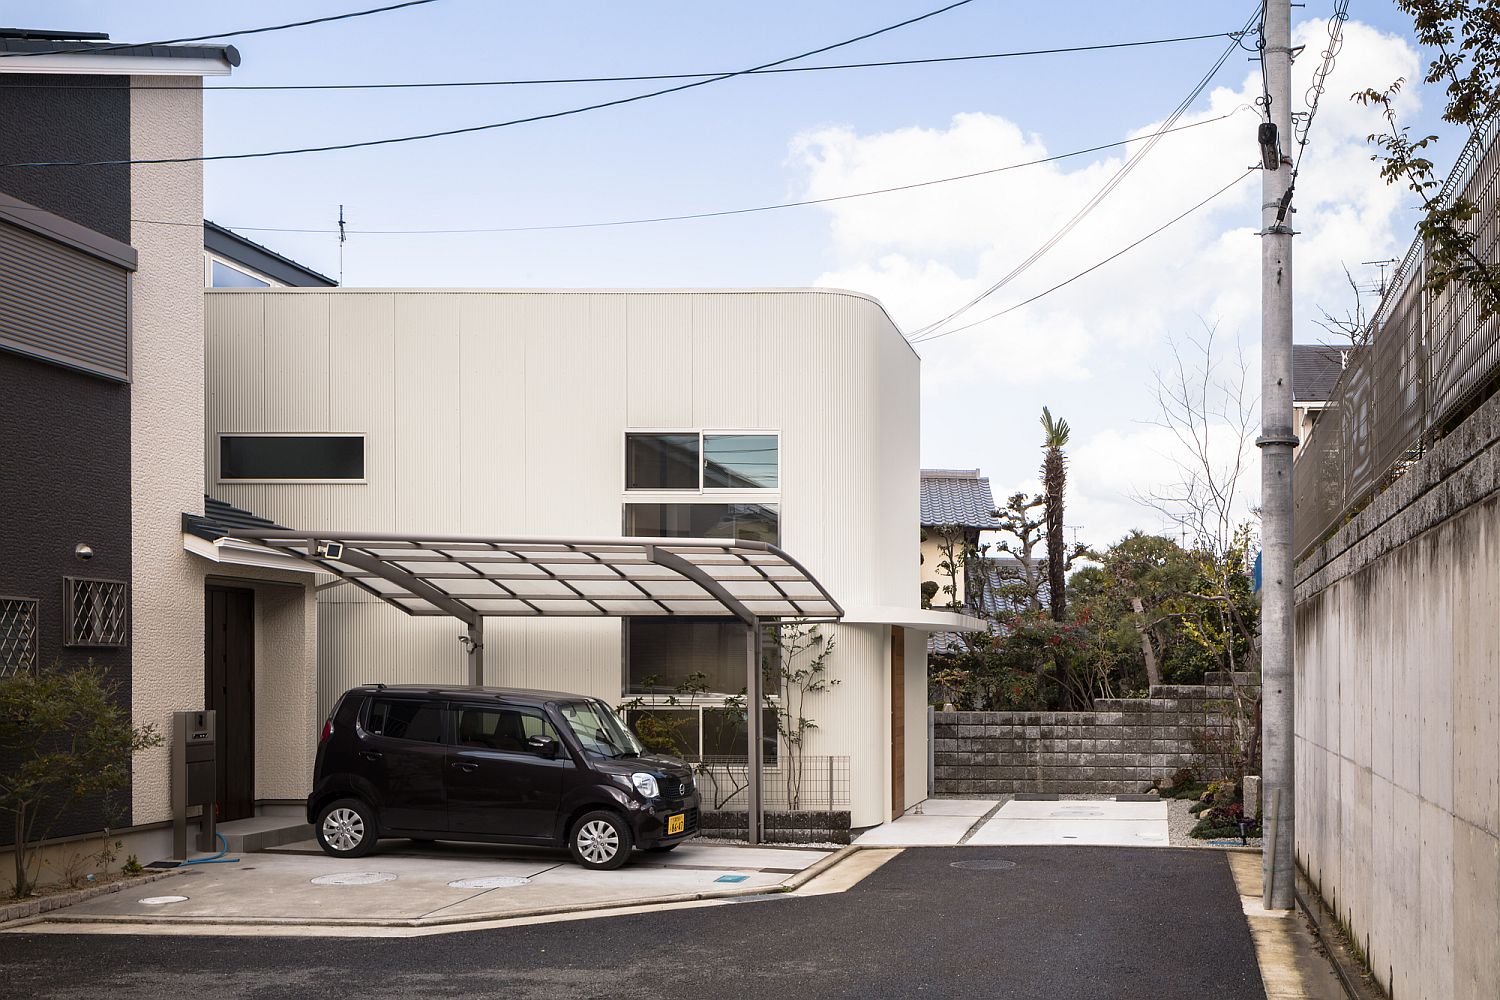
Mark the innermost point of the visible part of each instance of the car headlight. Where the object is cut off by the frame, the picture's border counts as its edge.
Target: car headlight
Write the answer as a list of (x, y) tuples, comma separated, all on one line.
[(645, 784)]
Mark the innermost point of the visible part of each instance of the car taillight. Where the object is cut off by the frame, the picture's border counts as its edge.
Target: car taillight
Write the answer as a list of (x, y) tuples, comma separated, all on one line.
[(327, 731)]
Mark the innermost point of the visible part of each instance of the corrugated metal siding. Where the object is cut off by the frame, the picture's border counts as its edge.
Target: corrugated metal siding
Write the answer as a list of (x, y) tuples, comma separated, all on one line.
[(63, 305), (492, 412)]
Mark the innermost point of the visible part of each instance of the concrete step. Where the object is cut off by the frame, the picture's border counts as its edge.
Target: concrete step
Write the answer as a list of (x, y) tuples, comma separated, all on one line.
[(261, 833)]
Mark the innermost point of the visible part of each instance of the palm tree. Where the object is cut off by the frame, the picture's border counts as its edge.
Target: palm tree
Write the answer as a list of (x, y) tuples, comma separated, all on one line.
[(1054, 485)]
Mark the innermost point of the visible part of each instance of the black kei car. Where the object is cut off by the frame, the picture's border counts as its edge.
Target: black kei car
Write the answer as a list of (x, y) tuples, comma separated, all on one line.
[(494, 765)]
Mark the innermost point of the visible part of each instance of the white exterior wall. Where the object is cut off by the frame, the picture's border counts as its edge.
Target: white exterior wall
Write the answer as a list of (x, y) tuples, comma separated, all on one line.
[(166, 473), (504, 412)]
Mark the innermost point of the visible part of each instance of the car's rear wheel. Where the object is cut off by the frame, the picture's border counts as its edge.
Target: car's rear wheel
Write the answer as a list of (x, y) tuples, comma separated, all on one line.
[(346, 829), (601, 841)]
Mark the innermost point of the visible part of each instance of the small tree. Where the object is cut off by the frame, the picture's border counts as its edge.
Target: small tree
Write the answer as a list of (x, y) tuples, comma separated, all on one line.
[(1055, 434), (804, 667), (63, 737)]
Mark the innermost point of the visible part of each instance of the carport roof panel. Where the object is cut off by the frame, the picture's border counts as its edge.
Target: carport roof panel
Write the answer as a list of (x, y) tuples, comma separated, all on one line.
[(470, 578)]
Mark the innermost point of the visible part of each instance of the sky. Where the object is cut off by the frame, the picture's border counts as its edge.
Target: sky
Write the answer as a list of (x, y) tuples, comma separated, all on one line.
[(1090, 351)]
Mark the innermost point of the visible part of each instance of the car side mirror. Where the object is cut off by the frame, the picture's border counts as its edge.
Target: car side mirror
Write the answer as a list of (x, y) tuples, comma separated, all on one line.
[(542, 746)]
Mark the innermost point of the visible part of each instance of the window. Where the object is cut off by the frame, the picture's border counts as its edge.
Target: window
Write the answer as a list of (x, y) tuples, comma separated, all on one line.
[(402, 719), (681, 656), (222, 275), (281, 457), (755, 522), (661, 461), (97, 612), (18, 628), (700, 460), (701, 732), (598, 729), (505, 729), (740, 461)]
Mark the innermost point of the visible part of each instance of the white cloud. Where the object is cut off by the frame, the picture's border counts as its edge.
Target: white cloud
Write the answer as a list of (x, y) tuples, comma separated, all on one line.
[(1089, 350)]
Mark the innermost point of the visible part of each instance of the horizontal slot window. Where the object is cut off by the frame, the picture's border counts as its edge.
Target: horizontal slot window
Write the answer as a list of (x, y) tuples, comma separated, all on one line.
[(323, 457), (746, 522), (224, 276)]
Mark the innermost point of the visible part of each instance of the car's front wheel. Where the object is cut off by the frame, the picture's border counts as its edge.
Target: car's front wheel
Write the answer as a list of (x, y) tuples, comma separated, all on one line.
[(601, 841), (346, 829)]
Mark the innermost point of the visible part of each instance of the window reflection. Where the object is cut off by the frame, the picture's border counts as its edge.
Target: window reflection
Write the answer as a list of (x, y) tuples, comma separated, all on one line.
[(739, 461), (746, 522)]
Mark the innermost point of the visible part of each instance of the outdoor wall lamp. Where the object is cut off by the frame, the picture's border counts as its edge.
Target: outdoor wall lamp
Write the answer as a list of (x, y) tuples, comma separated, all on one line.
[(83, 552), (1270, 146)]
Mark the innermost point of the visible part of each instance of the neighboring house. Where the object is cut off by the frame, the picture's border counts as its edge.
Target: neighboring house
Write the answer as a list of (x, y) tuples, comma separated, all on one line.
[(782, 416), (956, 506), (232, 261), (101, 394), (1316, 369)]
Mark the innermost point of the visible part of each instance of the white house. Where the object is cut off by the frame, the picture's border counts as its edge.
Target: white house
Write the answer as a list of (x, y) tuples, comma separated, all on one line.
[(784, 416)]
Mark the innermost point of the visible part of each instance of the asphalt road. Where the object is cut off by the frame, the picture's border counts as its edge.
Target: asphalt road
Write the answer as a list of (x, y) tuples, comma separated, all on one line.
[(1065, 923)]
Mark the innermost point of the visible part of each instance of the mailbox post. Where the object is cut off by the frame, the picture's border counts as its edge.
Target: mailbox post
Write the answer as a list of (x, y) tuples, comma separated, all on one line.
[(194, 765)]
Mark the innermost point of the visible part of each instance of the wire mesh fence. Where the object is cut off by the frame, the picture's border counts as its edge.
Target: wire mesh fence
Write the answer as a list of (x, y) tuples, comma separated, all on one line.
[(1421, 361), (804, 783)]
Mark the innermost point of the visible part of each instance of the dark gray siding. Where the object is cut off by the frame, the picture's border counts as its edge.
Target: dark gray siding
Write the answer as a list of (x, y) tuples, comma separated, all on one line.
[(64, 479), (48, 117)]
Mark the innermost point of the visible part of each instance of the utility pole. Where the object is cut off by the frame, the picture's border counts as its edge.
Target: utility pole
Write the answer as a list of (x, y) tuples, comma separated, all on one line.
[(1276, 441)]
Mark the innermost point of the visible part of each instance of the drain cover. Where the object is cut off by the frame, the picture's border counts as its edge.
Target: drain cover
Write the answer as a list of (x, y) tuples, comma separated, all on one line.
[(162, 900), (490, 882), (354, 878), (986, 865)]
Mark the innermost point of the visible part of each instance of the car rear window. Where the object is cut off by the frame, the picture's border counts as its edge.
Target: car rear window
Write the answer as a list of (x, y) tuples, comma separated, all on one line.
[(402, 719)]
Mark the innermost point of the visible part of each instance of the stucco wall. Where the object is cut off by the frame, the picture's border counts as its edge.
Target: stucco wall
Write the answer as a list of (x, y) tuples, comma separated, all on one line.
[(286, 683), (1398, 721), (166, 419)]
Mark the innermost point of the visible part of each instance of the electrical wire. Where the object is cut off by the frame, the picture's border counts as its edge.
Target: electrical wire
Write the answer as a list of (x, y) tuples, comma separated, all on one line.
[(91, 49), (1089, 270), (645, 77), (1148, 144), (915, 185), (1314, 95), (503, 124)]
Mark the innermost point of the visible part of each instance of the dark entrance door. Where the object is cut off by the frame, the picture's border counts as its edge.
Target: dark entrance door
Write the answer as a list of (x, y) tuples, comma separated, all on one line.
[(229, 690)]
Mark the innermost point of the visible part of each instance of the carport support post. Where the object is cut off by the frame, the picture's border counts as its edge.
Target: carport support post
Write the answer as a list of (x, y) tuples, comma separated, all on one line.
[(476, 650), (754, 684)]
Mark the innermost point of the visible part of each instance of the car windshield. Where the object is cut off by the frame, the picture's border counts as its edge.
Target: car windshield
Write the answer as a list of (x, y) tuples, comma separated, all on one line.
[(599, 730)]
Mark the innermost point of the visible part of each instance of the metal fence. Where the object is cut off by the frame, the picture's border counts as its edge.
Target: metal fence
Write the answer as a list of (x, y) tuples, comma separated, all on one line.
[(1421, 360), (806, 783)]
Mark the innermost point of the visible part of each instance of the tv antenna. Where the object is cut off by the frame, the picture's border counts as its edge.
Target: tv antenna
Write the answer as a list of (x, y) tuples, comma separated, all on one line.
[(343, 237)]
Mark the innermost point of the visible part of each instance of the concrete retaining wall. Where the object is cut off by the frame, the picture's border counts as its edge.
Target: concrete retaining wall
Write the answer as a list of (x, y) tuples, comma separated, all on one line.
[(1124, 745), (1398, 721)]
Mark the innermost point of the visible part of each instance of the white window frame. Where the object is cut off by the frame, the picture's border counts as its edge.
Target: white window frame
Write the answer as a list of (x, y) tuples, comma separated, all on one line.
[(218, 455), (209, 258), (717, 493)]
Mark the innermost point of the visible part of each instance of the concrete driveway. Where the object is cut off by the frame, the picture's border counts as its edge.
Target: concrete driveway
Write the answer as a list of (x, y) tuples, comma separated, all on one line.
[(406, 885), (1065, 823)]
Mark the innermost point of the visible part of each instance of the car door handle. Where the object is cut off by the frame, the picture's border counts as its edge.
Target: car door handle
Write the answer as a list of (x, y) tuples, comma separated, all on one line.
[(371, 754), (465, 766)]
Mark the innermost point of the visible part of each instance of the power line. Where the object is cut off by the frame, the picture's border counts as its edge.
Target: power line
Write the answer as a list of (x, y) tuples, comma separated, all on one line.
[(915, 185), (91, 49), (1088, 270), (503, 124), (652, 76), (1109, 186)]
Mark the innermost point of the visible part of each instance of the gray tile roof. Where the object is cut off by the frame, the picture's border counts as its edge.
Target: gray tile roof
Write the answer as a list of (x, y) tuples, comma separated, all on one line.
[(19, 41), (959, 497), (1315, 371), (232, 246), (220, 519)]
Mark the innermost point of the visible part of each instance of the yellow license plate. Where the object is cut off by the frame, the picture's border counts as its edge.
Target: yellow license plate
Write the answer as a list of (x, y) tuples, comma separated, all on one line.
[(676, 824)]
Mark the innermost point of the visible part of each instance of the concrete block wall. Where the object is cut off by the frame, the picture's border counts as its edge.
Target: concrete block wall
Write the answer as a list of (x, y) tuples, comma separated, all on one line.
[(1124, 745), (1398, 721)]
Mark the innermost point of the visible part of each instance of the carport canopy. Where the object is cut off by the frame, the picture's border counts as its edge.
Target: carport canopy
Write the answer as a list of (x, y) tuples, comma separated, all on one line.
[(476, 578), (472, 578)]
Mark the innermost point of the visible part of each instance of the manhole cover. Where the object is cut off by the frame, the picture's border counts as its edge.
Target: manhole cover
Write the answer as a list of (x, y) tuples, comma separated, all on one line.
[(162, 900), (490, 882), (986, 865), (354, 878)]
